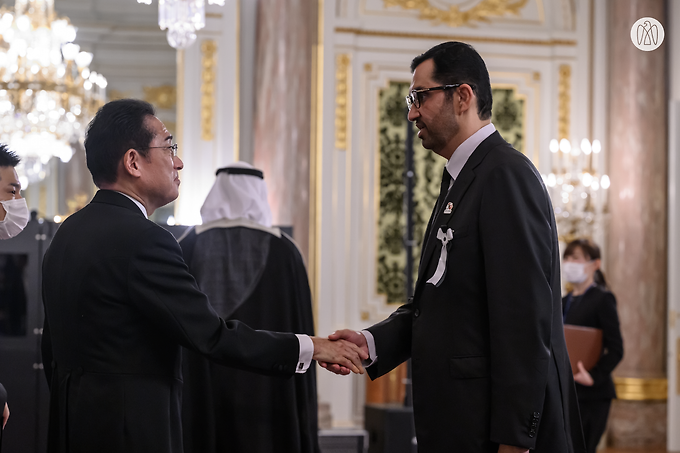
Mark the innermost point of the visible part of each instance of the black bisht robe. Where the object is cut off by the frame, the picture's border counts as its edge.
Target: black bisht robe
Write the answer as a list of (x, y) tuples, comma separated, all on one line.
[(256, 277)]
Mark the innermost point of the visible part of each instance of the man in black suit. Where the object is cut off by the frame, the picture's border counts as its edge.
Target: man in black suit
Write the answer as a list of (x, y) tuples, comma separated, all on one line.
[(119, 303), (484, 329)]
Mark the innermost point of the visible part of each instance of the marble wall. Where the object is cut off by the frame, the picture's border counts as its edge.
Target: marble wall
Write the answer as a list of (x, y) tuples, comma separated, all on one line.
[(285, 37), (637, 238)]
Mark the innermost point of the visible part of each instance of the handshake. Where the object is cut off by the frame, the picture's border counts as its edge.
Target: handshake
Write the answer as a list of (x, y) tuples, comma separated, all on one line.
[(342, 352)]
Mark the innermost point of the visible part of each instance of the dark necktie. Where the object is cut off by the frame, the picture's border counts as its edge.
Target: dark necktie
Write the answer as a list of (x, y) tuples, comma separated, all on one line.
[(443, 190)]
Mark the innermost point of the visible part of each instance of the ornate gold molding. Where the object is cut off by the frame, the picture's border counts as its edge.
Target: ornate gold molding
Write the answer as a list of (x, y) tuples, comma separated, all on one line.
[(114, 95), (640, 389), (209, 64), (447, 37), (163, 97), (673, 316), (564, 98), (342, 64), (454, 17)]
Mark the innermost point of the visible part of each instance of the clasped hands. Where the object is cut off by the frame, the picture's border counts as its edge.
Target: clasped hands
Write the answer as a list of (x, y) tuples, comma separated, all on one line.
[(354, 342), (342, 352)]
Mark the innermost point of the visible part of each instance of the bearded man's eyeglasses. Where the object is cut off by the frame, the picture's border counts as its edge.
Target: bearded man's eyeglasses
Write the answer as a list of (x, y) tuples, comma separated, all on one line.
[(172, 148), (414, 98)]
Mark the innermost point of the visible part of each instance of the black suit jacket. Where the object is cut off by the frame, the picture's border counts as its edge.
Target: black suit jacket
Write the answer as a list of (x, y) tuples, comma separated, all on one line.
[(119, 303), (597, 308), (489, 359)]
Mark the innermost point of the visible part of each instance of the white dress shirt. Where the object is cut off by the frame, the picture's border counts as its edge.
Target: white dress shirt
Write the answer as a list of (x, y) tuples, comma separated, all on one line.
[(464, 151), (453, 166), (304, 341)]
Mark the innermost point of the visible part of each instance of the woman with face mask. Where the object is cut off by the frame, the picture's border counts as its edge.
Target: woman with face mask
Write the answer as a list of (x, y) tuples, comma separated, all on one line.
[(591, 304)]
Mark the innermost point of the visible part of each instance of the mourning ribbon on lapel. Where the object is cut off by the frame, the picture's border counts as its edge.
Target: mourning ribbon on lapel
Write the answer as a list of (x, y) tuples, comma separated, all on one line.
[(439, 273)]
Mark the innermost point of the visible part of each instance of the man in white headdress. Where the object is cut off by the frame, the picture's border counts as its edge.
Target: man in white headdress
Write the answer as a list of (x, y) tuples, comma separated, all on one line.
[(254, 273)]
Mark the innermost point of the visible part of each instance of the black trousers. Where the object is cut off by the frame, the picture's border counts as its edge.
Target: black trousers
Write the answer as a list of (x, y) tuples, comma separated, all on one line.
[(594, 414)]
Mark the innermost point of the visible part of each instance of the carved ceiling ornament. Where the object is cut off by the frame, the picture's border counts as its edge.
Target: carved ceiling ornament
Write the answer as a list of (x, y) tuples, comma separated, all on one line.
[(454, 17)]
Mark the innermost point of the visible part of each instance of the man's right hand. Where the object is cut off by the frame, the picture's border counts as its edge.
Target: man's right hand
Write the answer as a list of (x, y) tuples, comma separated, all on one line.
[(342, 355), (5, 416), (351, 336)]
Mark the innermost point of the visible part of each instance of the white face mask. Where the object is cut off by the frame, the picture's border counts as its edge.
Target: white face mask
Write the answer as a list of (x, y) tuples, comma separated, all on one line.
[(16, 218), (574, 272)]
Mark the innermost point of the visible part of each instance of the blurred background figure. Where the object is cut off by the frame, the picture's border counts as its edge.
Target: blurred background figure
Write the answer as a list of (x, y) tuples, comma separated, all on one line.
[(591, 304), (254, 273), (14, 217)]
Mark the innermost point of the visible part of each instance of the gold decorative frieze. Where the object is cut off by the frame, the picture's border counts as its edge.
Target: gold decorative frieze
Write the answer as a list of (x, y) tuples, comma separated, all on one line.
[(564, 105), (342, 65), (463, 38), (640, 389), (114, 95), (454, 17), (208, 77), (163, 97)]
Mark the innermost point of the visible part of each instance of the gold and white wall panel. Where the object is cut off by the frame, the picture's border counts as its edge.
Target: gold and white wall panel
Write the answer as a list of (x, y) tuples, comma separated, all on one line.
[(208, 103)]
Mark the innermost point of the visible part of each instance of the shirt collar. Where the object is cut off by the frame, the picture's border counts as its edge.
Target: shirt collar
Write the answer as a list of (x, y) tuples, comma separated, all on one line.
[(465, 150), (139, 205)]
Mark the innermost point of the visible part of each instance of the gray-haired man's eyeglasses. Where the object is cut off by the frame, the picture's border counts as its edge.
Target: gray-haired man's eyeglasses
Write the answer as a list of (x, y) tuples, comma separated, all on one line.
[(172, 148)]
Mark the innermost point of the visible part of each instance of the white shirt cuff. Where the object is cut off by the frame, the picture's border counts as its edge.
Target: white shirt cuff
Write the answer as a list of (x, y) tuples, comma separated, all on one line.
[(372, 356), (306, 353)]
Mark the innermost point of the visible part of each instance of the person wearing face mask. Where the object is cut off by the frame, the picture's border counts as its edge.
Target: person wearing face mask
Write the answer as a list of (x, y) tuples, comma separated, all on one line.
[(14, 213), (591, 304), (13, 219)]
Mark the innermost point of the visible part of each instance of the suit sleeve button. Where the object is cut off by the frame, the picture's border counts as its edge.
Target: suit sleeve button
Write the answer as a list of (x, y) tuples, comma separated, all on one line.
[(416, 313)]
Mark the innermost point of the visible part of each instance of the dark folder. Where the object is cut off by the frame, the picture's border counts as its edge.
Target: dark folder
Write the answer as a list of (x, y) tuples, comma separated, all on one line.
[(584, 344)]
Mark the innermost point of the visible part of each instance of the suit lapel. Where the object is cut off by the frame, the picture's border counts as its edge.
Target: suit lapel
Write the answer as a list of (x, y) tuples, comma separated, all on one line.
[(455, 195)]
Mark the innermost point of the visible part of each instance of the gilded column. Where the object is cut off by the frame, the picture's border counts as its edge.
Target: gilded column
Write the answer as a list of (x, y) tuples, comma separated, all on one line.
[(286, 33), (636, 248)]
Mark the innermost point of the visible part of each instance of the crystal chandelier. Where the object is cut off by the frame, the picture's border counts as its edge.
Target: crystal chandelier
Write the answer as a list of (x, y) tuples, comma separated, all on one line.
[(577, 190), (182, 18), (47, 92)]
